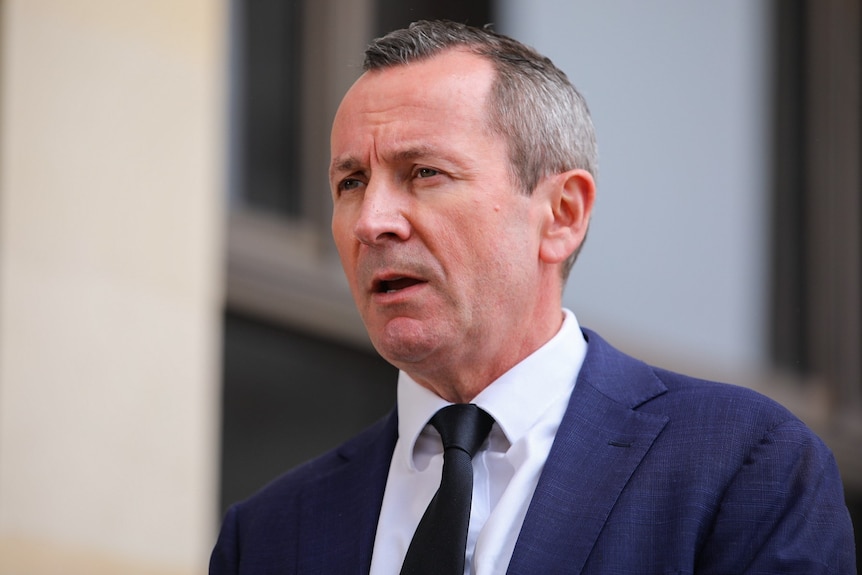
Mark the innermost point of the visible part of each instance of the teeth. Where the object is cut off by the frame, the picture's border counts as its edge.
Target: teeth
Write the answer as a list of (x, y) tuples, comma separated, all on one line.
[(397, 284)]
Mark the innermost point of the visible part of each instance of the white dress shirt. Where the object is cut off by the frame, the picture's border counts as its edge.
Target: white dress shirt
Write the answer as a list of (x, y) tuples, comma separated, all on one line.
[(527, 404)]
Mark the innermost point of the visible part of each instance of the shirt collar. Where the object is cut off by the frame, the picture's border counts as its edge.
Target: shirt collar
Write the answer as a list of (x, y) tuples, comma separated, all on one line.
[(516, 400)]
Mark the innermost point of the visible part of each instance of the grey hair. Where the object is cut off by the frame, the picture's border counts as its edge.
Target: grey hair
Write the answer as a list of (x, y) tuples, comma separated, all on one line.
[(533, 105)]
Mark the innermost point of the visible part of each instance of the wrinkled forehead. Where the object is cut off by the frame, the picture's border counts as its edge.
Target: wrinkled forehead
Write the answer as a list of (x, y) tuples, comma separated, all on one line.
[(420, 101), (444, 81)]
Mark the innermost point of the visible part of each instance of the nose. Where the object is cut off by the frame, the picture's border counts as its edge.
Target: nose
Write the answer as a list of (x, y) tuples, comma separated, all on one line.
[(382, 215)]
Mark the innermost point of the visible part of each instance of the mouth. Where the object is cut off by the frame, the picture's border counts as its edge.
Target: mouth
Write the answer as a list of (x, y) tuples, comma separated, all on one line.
[(395, 284)]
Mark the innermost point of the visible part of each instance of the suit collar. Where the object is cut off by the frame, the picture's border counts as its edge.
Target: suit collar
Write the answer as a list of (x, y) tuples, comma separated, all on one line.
[(599, 444), (623, 379)]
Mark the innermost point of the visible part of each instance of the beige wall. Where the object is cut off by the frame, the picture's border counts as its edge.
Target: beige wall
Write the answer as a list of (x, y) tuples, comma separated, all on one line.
[(111, 165)]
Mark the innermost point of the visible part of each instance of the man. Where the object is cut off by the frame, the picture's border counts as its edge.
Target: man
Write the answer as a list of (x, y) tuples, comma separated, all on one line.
[(462, 174)]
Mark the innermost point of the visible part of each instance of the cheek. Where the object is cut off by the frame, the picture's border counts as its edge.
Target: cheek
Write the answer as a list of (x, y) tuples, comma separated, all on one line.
[(342, 232), (339, 222), (463, 246), (478, 263), (347, 248)]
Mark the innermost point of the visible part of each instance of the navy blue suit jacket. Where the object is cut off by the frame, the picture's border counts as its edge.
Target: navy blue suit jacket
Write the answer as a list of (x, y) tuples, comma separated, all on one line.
[(651, 472)]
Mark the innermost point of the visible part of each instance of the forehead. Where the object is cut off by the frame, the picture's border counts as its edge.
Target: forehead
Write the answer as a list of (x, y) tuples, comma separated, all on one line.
[(421, 103)]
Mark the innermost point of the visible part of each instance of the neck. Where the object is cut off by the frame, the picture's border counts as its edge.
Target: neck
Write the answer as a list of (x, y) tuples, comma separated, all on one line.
[(463, 381)]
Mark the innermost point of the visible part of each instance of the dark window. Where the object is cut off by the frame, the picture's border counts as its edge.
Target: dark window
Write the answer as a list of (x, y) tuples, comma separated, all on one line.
[(817, 204), (789, 300), (268, 50)]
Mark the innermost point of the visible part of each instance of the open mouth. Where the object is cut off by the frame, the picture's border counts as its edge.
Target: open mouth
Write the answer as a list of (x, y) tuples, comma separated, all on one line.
[(395, 284)]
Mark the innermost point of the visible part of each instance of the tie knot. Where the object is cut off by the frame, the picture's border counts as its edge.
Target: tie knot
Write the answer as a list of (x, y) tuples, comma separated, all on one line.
[(462, 426)]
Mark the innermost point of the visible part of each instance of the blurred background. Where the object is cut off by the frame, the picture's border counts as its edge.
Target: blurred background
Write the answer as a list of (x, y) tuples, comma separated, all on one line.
[(175, 329)]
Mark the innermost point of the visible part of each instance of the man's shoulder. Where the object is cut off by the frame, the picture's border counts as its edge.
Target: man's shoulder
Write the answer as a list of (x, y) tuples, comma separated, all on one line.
[(729, 415), (375, 443), (720, 397), (690, 401)]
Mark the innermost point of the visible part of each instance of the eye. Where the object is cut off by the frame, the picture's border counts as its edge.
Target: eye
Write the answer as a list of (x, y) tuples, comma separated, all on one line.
[(348, 184), (426, 172)]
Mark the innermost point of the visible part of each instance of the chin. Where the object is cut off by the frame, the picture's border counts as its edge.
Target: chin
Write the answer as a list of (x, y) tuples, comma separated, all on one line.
[(403, 347), (403, 354)]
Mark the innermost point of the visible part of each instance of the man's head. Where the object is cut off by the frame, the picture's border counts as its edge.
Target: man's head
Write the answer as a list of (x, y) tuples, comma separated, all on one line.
[(533, 106), (455, 263)]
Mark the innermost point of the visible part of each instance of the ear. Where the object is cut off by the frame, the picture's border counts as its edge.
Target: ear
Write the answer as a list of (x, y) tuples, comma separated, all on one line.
[(571, 195)]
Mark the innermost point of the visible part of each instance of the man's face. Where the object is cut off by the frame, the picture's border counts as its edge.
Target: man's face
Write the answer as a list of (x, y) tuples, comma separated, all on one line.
[(439, 247)]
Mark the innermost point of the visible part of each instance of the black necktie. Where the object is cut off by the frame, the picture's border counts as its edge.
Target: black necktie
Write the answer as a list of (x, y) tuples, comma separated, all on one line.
[(440, 540)]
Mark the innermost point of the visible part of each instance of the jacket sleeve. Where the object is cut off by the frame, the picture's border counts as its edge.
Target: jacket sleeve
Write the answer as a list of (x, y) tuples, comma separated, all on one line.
[(800, 523)]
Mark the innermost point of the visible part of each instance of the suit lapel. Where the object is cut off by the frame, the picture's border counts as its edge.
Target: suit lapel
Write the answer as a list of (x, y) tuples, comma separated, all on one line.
[(600, 442), (340, 517)]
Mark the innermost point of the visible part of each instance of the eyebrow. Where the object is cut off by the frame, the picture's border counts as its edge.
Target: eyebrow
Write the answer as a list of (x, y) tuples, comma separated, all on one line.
[(415, 152), (346, 164), (351, 164)]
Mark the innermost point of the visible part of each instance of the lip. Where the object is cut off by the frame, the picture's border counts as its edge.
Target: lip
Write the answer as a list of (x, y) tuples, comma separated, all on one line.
[(392, 287)]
